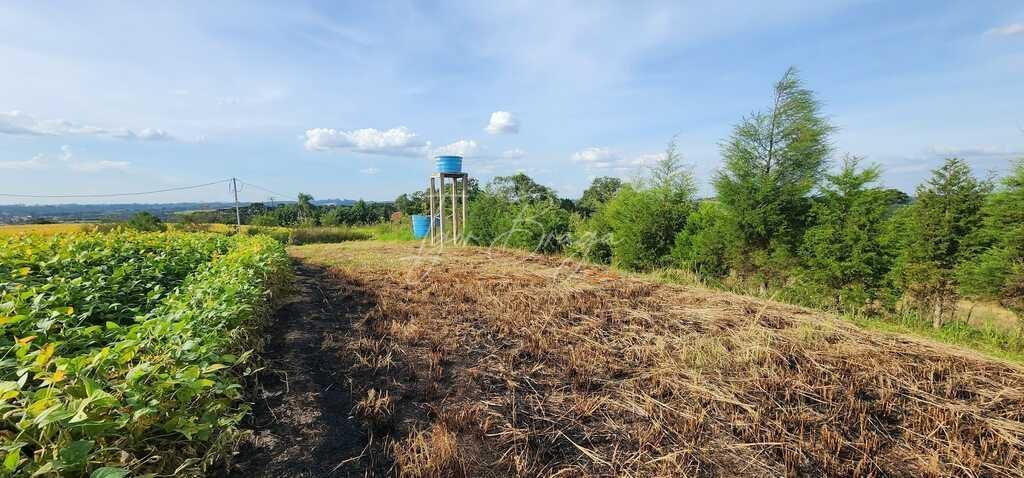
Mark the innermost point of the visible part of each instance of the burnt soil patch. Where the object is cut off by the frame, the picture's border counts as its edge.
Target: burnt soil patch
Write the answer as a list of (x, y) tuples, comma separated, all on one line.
[(302, 423)]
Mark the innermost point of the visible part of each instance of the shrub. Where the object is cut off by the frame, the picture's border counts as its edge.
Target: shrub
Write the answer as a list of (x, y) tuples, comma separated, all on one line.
[(539, 227), (644, 224), (265, 220), (592, 238), (535, 226), (315, 235), (279, 234), (704, 245), (489, 216), (146, 222)]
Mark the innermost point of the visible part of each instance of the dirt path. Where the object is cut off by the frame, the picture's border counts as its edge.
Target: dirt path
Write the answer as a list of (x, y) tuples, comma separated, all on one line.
[(302, 412)]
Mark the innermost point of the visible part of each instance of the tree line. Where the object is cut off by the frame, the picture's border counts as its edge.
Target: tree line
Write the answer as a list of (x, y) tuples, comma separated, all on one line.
[(783, 218), (301, 213)]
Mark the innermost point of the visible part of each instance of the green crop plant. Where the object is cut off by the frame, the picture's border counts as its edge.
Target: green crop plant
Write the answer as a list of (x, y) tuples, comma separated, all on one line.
[(123, 353)]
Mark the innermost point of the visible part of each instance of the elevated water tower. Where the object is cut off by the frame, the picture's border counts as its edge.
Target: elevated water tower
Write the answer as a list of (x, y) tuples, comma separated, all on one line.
[(448, 168)]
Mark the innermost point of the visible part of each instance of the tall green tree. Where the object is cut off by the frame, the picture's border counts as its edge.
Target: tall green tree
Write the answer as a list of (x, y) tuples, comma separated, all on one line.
[(601, 190), (998, 272), (944, 222), (773, 159), (520, 188), (843, 252), (306, 210)]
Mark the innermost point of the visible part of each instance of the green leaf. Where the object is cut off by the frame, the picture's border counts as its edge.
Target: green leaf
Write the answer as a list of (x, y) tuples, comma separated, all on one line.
[(76, 452), (12, 459), (109, 472), (215, 367)]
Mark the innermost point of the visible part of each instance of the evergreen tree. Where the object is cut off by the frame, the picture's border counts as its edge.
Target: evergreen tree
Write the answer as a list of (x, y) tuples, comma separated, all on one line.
[(944, 222), (998, 272), (843, 252), (644, 221), (671, 175), (772, 161)]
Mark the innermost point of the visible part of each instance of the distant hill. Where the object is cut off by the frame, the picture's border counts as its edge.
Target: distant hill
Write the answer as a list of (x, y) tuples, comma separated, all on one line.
[(20, 213)]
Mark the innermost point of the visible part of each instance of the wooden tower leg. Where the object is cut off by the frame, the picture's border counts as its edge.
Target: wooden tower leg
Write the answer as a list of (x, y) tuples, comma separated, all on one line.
[(465, 184), (430, 199), (455, 210), (440, 206)]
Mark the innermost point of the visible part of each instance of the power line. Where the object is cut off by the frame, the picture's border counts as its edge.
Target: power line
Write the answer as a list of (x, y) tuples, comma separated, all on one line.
[(261, 188), (139, 193)]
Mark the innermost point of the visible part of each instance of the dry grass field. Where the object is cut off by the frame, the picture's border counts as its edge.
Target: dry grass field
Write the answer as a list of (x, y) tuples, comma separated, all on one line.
[(471, 362), (41, 229)]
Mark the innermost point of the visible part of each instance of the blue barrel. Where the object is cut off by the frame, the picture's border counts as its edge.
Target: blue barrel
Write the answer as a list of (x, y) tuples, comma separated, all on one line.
[(448, 164), (420, 226)]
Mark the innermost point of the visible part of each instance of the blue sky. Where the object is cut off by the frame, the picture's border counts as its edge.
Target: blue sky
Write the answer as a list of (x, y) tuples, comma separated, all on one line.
[(350, 99)]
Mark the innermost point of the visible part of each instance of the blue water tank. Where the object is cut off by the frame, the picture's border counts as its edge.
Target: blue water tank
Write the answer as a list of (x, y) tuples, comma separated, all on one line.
[(448, 164), (420, 226)]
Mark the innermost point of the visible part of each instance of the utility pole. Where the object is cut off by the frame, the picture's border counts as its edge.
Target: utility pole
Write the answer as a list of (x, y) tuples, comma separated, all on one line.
[(238, 215)]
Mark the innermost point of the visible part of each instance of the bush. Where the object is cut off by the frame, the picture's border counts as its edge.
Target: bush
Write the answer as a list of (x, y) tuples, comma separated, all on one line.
[(539, 227), (705, 243), (489, 216), (592, 238), (145, 222), (391, 231), (314, 235), (279, 234), (535, 226), (644, 224), (265, 220)]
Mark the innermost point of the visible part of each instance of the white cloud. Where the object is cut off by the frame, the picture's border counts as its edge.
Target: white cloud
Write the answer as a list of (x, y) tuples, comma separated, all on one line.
[(97, 166), (972, 152), (65, 159), (1006, 30), (18, 123), (37, 162), (514, 153), (370, 171), (595, 156), (502, 122), (398, 141), (462, 147), (600, 158)]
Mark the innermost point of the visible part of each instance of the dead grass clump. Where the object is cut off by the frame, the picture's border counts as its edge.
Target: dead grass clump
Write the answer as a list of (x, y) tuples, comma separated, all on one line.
[(511, 364), (429, 453), (376, 408)]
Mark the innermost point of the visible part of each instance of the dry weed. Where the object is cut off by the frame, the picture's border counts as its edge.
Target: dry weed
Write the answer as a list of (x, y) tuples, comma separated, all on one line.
[(512, 364)]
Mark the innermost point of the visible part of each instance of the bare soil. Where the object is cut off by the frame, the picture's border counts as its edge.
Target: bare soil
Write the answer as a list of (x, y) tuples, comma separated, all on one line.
[(398, 360), (302, 423)]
